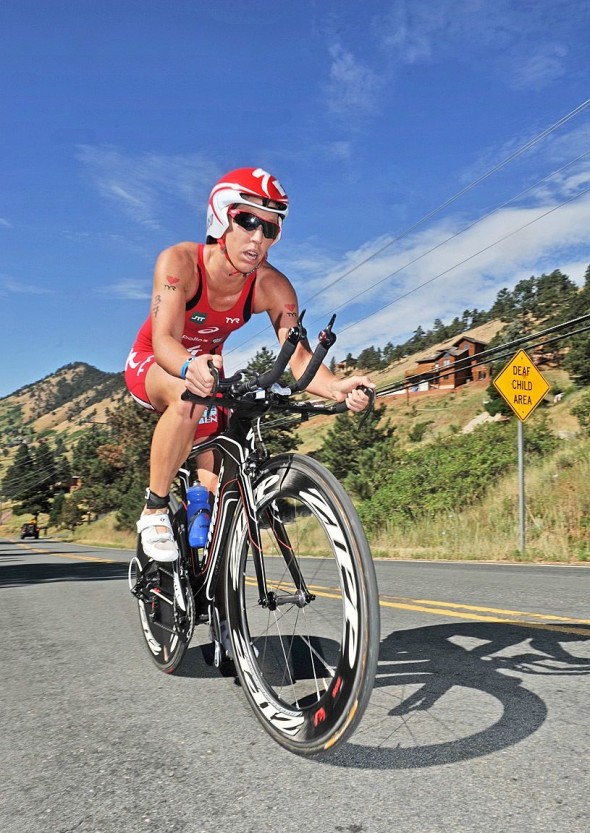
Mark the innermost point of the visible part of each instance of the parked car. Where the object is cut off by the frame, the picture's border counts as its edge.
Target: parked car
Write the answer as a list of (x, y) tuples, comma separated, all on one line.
[(30, 530)]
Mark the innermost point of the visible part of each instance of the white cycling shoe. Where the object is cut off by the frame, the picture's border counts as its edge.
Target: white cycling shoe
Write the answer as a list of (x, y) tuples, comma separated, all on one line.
[(157, 544)]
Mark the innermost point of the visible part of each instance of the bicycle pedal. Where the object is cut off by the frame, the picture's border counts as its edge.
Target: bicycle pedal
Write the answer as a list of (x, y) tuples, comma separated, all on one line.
[(139, 584)]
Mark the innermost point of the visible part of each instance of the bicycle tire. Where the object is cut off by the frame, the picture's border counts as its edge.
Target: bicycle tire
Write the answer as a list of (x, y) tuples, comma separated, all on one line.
[(307, 668), (166, 628)]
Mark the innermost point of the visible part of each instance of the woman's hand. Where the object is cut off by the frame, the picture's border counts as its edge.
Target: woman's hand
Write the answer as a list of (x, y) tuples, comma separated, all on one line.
[(198, 376), (345, 390)]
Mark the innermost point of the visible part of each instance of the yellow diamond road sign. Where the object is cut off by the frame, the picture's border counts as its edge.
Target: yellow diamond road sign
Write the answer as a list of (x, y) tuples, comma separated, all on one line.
[(521, 385)]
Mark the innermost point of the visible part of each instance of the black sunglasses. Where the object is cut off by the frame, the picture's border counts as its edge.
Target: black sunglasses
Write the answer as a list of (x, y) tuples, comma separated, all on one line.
[(250, 222)]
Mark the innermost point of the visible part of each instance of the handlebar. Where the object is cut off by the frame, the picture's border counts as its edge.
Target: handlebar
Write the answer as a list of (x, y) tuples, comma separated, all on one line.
[(271, 377), (261, 391), (326, 339)]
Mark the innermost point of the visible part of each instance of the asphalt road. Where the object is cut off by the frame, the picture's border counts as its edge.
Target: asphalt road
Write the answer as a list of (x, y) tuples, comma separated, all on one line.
[(478, 722)]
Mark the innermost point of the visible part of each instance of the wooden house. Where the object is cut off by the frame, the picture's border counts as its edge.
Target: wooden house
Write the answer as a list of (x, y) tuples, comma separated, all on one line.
[(450, 367)]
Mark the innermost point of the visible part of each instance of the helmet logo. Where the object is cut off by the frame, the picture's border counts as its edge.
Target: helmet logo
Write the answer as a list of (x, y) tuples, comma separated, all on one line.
[(264, 180)]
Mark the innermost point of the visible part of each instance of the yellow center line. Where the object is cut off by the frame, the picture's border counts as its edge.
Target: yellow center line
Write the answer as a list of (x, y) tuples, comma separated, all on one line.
[(72, 556), (86, 558), (430, 606), (461, 611), (459, 614), (393, 600)]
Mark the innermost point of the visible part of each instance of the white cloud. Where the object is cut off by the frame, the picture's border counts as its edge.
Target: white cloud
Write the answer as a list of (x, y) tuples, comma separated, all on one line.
[(534, 72), (128, 289), (143, 186), (5, 223), (453, 264), (464, 273), (525, 45), (353, 89), (10, 285)]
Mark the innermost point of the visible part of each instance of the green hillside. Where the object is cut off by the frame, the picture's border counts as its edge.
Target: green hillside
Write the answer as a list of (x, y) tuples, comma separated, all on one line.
[(434, 477)]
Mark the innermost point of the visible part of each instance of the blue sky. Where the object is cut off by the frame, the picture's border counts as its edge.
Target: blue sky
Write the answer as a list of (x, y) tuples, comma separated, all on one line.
[(118, 117)]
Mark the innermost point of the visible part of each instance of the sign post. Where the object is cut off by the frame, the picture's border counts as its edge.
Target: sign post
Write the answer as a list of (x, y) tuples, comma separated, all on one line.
[(523, 387)]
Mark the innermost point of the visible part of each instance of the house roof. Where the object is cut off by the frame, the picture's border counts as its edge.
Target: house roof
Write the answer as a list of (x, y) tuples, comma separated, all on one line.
[(472, 340), (452, 349), (449, 351)]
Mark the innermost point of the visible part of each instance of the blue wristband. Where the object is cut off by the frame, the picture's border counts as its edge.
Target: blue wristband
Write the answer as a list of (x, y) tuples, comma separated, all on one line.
[(184, 367)]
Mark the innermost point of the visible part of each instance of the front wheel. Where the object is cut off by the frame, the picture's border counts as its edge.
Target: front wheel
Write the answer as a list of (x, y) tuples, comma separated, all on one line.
[(306, 652)]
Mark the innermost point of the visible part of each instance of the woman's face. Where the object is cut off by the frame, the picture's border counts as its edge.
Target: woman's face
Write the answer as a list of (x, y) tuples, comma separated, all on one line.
[(248, 241)]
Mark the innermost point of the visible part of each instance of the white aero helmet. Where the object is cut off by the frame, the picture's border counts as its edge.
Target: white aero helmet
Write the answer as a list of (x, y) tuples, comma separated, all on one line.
[(236, 187)]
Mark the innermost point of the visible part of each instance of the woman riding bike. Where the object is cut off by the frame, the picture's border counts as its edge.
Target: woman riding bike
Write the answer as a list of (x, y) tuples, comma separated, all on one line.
[(201, 294)]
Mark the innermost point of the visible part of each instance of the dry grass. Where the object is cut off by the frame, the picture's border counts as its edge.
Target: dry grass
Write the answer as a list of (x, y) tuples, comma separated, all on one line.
[(103, 533), (557, 519)]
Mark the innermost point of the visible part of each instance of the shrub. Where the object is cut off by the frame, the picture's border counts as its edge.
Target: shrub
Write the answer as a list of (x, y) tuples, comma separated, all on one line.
[(581, 410), (449, 474)]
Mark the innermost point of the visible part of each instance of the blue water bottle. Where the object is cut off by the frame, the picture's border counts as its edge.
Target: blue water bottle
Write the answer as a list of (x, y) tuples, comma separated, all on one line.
[(198, 514)]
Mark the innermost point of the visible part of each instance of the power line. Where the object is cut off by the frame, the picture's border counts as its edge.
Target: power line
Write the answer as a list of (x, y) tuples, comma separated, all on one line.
[(502, 351), (457, 234), (467, 259), (515, 154), (461, 193)]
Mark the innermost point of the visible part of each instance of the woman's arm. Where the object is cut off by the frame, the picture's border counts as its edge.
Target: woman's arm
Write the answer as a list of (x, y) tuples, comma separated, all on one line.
[(174, 284), (277, 296)]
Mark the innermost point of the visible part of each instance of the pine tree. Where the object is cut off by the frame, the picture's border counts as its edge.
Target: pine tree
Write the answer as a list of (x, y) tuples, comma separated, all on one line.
[(132, 430), (71, 514), (19, 481), (577, 361), (45, 478), (62, 466), (370, 359), (555, 293), (57, 506), (344, 443), (262, 361), (278, 436), (504, 307), (98, 472)]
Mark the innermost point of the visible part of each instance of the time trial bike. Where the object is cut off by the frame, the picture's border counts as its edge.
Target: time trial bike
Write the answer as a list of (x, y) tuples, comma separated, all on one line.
[(286, 581)]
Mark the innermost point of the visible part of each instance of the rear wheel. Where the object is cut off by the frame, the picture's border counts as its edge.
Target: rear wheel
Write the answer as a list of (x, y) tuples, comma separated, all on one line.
[(165, 602), (307, 655)]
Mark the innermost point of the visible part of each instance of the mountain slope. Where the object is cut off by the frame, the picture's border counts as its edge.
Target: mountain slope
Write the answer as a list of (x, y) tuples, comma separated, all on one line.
[(59, 401)]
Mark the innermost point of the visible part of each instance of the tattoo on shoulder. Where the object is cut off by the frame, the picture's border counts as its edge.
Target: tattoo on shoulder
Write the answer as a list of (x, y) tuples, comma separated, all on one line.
[(291, 310), (156, 307), (171, 282)]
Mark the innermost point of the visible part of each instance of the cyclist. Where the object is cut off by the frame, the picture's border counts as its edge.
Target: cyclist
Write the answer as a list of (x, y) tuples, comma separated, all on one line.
[(201, 294)]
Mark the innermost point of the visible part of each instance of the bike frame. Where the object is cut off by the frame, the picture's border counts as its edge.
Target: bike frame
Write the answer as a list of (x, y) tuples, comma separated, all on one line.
[(239, 465)]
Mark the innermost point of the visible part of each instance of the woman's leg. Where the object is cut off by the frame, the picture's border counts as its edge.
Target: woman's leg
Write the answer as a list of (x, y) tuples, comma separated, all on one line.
[(173, 436), (171, 443)]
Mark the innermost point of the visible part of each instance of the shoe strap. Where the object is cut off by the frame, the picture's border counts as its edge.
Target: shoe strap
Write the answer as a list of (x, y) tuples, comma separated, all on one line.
[(147, 521)]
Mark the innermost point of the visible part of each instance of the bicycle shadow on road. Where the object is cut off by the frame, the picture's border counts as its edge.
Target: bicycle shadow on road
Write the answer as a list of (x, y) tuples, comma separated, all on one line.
[(453, 692)]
